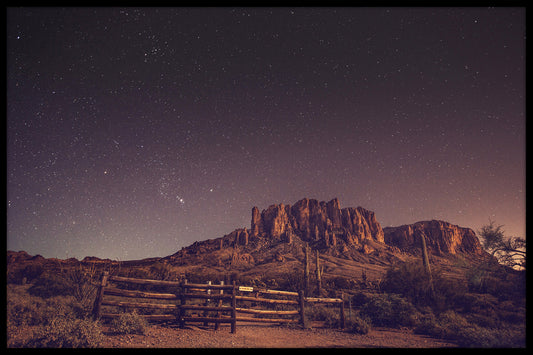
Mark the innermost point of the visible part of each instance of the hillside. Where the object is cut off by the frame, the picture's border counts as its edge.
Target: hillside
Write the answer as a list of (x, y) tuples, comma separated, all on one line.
[(350, 242)]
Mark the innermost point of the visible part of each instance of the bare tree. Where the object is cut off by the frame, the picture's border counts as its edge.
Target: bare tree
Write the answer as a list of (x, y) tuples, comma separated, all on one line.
[(509, 251)]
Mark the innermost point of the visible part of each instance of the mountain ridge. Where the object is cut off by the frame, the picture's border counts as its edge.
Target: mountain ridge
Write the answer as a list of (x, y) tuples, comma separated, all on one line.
[(344, 237)]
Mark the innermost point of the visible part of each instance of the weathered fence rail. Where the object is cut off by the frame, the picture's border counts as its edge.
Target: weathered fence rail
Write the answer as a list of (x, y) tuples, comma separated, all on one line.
[(207, 303)]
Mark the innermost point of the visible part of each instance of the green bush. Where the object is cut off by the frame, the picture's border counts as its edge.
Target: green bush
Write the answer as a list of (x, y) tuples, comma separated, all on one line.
[(358, 325), (412, 282), (67, 333), (19, 275), (429, 325), (31, 311), (479, 337), (497, 281), (340, 282), (455, 327), (330, 316), (50, 285), (389, 310), (129, 323)]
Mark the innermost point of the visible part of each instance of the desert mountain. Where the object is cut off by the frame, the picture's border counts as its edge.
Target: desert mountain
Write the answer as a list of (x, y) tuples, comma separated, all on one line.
[(348, 240)]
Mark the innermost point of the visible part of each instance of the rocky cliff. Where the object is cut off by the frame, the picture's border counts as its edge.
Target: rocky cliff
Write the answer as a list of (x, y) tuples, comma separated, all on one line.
[(441, 238), (321, 223)]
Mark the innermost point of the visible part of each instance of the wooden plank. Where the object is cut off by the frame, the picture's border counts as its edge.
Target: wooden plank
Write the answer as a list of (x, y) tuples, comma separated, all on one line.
[(323, 300), (206, 308), (279, 292), (149, 317), (266, 320), (139, 294), (264, 311), (207, 319), (204, 296), (265, 300), (139, 305), (144, 281), (205, 286)]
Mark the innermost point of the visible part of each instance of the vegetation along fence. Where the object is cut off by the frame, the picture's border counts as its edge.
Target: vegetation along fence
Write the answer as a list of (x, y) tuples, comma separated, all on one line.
[(206, 303)]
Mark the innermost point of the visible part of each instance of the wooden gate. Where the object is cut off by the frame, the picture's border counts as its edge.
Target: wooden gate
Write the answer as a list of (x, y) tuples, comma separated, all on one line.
[(207, 303)]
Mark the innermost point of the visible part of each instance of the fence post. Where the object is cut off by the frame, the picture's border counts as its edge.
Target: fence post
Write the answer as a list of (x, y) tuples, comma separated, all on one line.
[(301, 304), (233, 309), (99, 295), (182, 303), (350, 307), (217, 324), (343, 320), (206, 303)]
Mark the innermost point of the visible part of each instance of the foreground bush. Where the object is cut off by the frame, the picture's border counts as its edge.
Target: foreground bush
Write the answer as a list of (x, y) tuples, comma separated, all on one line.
[(358, 325), (67, 333), (129, 323), (453, 326), (389, 310), (50, 285), (412, 282)]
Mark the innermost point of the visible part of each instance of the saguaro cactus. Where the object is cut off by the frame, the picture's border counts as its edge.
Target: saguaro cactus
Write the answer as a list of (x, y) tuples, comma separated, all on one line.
[(425, 260), (318, 275), (306, 270)]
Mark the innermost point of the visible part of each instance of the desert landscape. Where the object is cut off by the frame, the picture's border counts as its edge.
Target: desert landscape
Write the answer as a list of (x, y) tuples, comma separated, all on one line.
[(395, 290)]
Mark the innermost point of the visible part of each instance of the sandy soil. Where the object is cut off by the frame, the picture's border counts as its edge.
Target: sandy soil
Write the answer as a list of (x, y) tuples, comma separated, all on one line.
[(259, 336)]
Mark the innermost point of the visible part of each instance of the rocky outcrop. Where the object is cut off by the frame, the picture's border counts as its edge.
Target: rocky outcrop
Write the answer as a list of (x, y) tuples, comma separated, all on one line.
[(441, 238), (314, 221)]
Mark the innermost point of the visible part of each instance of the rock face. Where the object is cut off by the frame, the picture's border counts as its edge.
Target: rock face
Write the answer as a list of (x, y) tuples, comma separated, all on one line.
[(318, 222), (441, 238)]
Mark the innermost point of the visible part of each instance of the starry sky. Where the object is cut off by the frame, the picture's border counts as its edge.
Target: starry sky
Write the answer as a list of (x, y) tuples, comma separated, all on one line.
[(133, 132)]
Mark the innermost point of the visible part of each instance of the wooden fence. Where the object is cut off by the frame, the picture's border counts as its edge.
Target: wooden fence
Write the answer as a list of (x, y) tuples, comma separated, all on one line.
[(207, 303)]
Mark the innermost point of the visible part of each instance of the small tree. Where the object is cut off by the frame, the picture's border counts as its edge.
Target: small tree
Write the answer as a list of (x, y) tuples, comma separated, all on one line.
[(509, 251)]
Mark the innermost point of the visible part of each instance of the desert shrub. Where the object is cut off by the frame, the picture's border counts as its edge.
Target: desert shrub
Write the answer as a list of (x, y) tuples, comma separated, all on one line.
[(468, 331), (291, 281), (22, 275), (457, 328), (129, 323), (160, 271), (478, 303), (496, 280), (452, 323), (82, 281), (23, 311), (330, 316), (49, 285), (358, 325), (360, 299), (514, 317), (67, 333), (480, 337), (80, 309), (429, 325), (30, 310), (412, 282), (389, 310), (339, 282)]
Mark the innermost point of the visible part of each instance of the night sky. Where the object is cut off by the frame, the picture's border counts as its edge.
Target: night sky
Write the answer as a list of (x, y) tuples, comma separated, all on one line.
[(133, 132)]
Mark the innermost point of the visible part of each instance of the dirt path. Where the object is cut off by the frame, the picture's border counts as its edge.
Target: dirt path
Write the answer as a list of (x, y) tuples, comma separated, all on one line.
[(257, 336)]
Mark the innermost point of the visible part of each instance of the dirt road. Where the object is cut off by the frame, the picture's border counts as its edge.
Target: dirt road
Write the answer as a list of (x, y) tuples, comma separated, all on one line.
[(258, 336)]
